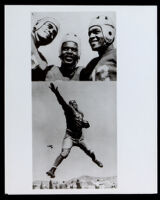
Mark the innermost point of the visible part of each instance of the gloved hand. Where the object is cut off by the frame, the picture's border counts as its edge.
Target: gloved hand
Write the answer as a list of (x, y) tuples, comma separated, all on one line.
[(86, 124), (53, 88)]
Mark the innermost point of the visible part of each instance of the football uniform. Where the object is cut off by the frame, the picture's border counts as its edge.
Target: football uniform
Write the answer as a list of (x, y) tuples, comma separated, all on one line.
[(74, 136)]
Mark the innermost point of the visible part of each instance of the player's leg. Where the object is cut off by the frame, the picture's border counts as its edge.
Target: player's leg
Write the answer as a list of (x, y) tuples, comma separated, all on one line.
[(57, 161), (89, 152), (66, 147)]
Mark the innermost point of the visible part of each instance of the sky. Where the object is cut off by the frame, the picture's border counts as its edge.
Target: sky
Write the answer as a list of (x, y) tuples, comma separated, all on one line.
[(74, 22), (98, 103)]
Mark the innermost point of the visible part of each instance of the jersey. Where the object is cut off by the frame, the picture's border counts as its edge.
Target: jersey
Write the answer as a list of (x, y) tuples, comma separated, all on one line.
[(38, 63), (108, 59), (74, 118), (55, 74)]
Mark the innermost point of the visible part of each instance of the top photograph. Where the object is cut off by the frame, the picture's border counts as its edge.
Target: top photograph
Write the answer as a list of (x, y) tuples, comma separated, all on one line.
[(73, 46)]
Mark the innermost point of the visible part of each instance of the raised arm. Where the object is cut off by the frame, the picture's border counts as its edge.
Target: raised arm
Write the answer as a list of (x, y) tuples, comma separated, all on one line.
[(60, 99)]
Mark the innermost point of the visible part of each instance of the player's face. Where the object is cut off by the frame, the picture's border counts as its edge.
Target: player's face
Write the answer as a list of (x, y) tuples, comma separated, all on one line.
[(69, 53), (96, 38), (47, 32)]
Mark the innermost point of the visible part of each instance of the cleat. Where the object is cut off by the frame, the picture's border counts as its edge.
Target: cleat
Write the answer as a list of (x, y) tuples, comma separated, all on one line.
[(51, 174), (98, 163)]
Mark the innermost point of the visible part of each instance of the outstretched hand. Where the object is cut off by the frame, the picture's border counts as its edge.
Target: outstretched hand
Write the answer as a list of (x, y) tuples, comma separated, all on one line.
[(53, 88)]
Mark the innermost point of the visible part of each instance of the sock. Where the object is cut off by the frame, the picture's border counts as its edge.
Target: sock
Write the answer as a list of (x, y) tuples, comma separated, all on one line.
[(58, 161)]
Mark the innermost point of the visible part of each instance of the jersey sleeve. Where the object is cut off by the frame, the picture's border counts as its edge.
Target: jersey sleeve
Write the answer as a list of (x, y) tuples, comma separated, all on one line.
[(86, 72), (62, 102)]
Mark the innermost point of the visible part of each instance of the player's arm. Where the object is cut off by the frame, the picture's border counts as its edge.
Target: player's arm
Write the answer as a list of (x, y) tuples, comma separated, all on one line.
[(60, 99)]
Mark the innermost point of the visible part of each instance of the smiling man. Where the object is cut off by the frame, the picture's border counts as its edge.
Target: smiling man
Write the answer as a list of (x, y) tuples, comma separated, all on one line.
[(69, 55), (43, 33), (101, 37)]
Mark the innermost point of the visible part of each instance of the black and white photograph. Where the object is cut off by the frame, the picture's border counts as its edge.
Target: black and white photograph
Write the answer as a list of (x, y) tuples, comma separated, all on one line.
[(80, 99), (78, 46), (74, 136), (65, 49)]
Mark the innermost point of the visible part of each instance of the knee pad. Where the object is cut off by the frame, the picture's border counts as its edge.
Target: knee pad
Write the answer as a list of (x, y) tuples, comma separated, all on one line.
[(65, 153)]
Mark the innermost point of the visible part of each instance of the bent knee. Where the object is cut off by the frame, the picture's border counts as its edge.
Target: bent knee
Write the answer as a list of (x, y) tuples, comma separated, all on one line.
[(65, 153)]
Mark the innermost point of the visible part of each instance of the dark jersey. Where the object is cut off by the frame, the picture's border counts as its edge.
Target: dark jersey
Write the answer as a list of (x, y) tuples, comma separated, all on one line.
[(74, 118), (56, 74), (39, 63), (108, 59)]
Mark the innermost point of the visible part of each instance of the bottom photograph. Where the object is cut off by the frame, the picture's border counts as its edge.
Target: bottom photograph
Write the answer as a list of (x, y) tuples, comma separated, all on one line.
[(74, 135)]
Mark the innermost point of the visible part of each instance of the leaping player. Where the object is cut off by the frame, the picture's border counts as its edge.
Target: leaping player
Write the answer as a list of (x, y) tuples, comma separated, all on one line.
[(74, 136)]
